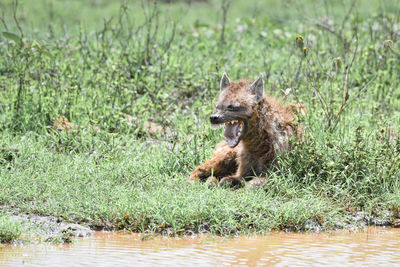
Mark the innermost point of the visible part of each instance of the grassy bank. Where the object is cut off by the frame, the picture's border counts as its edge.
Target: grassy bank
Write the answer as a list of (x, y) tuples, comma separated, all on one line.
[(9, 229), (104, 112)]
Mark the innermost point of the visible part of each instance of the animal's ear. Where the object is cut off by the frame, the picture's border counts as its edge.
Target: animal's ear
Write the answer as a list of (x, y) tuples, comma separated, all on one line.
[(225, 81), (257, 88)]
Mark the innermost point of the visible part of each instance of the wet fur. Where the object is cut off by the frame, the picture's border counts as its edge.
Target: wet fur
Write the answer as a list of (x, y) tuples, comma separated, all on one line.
[(269, 127)]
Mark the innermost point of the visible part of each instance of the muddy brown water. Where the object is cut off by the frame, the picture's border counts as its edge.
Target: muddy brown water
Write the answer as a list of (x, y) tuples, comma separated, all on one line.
[(374, 246)]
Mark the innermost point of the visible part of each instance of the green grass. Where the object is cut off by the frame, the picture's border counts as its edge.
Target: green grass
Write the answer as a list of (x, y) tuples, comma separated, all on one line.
[(10, 230), (110, 170)]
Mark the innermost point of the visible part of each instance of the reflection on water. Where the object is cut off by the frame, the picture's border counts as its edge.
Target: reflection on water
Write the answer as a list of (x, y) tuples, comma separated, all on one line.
[(375, 246)]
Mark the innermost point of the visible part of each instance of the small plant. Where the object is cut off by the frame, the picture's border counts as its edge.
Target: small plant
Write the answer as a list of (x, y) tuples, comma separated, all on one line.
[(10, 230), (21, 57)]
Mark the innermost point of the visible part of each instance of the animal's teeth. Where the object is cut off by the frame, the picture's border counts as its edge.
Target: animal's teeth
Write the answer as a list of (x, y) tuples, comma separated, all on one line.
[(233, 122)]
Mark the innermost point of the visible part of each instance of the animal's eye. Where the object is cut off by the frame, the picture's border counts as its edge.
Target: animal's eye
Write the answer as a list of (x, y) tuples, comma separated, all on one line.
[(233, 108)]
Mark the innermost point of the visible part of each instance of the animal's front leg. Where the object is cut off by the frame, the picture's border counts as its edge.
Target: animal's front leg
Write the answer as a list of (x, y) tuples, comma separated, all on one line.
[(204, 171), (222, 163), (249, 166)]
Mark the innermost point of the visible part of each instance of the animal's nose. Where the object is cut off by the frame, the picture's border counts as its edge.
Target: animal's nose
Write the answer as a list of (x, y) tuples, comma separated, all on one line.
[(214, 118)]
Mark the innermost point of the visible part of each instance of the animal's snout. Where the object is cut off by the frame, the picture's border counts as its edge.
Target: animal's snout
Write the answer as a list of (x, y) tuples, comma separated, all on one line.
[(215, 118)]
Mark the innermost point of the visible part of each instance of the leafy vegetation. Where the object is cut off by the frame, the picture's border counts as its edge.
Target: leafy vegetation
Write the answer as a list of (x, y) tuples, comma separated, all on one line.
[(9, 229), (104, 111)]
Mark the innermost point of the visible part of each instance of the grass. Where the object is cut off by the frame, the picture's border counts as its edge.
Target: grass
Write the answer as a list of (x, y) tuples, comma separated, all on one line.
[(115, 70), (10, 230)]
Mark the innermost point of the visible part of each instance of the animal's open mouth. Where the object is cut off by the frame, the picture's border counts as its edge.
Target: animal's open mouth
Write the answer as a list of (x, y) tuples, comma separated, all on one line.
[(234, 131)]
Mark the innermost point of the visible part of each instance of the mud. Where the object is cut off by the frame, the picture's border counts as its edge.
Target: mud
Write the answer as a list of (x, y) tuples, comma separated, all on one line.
[(37, 228)]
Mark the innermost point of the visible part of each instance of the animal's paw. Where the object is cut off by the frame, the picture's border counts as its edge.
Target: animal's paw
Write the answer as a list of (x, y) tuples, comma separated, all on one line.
[(258, 182), (193, 176), (197, 175), (232, 182), (212, 181)]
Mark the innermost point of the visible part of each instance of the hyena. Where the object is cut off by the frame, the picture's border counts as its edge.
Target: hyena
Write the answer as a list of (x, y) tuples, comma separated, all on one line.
[(257, 127)]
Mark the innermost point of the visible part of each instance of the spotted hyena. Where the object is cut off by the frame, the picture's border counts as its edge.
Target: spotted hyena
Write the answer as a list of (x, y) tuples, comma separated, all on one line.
[(257, 127)]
